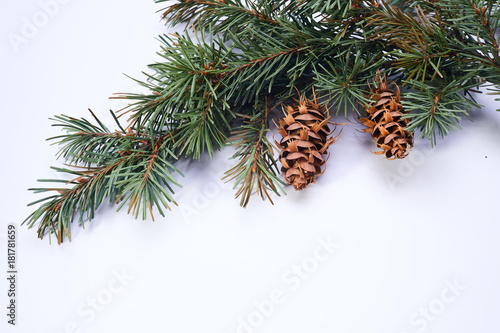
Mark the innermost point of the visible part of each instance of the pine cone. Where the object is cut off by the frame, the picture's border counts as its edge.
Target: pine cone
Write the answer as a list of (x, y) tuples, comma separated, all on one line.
[(385, 121), (305, 140)]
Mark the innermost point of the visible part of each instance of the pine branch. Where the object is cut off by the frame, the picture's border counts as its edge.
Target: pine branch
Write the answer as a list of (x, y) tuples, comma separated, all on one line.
[(189, 70), (256, 170), (262, 72), (91, 188), (186, 94), (345, 79), (147, 183), (224, 15), (87, 144), (329, 6), (259, 60), (201, 85), (438, 108), (418, 42), (475, 41), (139, 174)]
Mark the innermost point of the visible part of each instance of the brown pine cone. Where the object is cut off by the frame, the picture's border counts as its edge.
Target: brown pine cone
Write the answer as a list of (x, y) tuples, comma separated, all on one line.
[(306, 137), (385, 121)]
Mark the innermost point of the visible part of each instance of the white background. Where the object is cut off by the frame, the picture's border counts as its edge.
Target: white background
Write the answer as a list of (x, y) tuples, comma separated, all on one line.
[(403, 230)]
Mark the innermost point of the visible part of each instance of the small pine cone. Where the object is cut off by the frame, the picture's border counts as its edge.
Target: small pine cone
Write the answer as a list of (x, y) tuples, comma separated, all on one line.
[(305, 140), (385, 121)]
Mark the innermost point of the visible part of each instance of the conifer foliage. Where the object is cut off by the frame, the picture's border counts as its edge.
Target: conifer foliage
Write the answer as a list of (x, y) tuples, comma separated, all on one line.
[(236, 61)]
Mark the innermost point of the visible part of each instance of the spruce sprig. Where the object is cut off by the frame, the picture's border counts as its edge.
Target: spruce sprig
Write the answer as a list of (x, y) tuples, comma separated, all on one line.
[(256, 171), (438, 108), (345, 79), (225, 15), (122, 167)]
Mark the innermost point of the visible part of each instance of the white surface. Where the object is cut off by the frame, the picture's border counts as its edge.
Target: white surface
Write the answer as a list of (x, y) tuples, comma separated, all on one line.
[(399, 243)]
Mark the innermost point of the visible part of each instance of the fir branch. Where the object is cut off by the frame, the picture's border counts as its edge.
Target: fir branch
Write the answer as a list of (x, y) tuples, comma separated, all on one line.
[(223, 15), (474, 40), (147, 182), (88, 144), (262, 72), (345, 79), (91, 188), (418, 43), (186, 94), (182, 76), (141, 176), (256, 170), (198, 133), (438, 108)]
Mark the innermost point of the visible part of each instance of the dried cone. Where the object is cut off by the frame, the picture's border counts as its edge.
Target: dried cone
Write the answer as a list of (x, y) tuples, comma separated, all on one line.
[(306, 137), (384, 120)]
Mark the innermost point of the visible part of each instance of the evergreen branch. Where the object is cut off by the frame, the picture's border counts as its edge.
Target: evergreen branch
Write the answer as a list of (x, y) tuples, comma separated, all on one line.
[(247, 79), (262, 60), (186, 94), (180, 82), (439, 36), (199, 132), (269, 67), (91, 187), (138, 176), (89, 144), (328, 6), (147, 180), (400, 27), (258, 65), (346, 78), (221, 14), (480, 39), (437, 108), (419, 44), (256, 170)]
